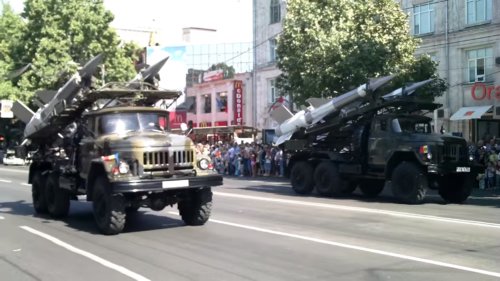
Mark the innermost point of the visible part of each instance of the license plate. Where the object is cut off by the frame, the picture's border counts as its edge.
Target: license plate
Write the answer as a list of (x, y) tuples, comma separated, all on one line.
[(173, 184), (463, 169)]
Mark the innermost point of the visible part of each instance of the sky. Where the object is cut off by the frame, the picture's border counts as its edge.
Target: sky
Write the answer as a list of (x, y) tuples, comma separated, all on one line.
[(231, 18)]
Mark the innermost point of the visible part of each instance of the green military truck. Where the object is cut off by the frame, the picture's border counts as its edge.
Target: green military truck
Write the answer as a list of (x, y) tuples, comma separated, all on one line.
[(114, 146)]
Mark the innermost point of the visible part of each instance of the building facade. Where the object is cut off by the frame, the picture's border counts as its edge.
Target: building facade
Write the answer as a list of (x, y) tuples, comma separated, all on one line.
[(268, 24)]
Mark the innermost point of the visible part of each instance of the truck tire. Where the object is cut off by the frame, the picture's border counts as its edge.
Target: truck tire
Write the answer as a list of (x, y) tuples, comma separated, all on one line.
[(109, 209), (301, 178), (371, 188), (327, 180), (456, 189), (57, 199), (196, 208), (409, 183), (38, 192)]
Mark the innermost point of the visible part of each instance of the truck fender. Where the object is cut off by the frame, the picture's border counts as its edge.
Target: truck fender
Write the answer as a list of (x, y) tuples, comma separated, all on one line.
[(37, 166), (398, 157), (96, 170)]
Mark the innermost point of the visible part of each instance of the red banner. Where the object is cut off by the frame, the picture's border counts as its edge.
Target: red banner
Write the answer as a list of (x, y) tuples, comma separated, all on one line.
[(203, 124), (238, 102), (220, 123), (176, 118)]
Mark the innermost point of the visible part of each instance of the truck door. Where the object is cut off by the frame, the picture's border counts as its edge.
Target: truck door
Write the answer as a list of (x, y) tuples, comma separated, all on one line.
[(380, 142)]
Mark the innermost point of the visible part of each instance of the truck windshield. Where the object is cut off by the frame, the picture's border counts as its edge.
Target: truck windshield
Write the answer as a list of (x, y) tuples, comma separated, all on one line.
[(408, 125), (119, 123)]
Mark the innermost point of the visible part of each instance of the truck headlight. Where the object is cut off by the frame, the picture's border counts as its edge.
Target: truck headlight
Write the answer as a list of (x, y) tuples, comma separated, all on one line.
[(203, 164), (123, 168), (471, 157), (429, 156)]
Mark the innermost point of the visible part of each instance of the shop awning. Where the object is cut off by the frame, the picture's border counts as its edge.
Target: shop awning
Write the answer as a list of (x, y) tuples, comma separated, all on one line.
[(470, 112)]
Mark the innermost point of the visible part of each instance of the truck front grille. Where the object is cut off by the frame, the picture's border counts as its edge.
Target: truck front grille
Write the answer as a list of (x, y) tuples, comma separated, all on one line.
[(161, 158), (454, 152)]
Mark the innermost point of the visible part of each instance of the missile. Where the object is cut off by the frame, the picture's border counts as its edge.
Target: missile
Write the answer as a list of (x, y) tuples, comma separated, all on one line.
[(312, 115), (407, 90), (39, 125), (149, 73)]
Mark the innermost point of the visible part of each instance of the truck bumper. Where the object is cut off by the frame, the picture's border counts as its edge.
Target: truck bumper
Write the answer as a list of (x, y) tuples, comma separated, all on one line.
[(462, 169), (157, 185)]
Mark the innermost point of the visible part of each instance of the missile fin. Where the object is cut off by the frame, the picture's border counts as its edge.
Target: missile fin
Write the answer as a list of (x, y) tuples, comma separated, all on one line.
[(46, 95), (22, 112), (282, 139), (18, 72), (316, 102), (91, 66), (281, 114)]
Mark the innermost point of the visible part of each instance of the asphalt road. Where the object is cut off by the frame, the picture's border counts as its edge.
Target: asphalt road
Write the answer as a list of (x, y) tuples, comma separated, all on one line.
[(260, 230)]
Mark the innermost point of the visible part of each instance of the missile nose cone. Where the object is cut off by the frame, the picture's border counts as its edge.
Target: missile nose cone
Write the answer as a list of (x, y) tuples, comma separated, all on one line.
[(378, 82), (154, 69)]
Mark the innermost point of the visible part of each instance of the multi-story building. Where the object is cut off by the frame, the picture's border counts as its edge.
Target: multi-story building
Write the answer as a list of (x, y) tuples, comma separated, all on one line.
[(463, 36), (268, 24)]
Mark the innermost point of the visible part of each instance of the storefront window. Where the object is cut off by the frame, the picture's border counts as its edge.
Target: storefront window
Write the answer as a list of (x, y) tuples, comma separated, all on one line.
[(207, 103), (221, 100)]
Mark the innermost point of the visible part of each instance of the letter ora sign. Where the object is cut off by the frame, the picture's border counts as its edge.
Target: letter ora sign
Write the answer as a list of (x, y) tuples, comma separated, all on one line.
[(238, 102)]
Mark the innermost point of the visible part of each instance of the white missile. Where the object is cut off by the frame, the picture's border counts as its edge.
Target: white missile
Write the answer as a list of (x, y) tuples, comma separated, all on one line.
[(312, 115), (407, 90)]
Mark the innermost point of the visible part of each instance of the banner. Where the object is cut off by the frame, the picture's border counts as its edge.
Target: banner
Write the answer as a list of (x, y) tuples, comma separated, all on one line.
[(238, 102), (6, 109), (177, 118)]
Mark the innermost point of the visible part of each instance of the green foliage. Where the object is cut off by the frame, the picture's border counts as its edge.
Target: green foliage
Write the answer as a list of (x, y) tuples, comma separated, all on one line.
[(60, 35), (329, 47), (228, 70)]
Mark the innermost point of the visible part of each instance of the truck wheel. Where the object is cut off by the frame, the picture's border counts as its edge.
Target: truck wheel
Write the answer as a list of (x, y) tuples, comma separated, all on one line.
[(196, 208), (409, 183), (327, 179), (371, 188), (301, 178), (109, 209), (456, 189), (57, 198), (38, 192)]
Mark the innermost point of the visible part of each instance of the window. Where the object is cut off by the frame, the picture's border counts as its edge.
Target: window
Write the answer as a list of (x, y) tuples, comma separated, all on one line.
[(273, 91), (480, 63), (207, 103), (423, 19), (221, 100), (275, 11), (272, 50), (478, 11)]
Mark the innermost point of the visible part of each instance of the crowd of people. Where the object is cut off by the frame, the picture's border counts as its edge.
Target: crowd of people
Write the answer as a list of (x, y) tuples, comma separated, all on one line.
[(245, 159), (487, 155)]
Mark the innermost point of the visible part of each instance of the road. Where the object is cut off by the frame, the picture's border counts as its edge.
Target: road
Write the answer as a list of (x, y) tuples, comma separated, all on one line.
[(259, 230)]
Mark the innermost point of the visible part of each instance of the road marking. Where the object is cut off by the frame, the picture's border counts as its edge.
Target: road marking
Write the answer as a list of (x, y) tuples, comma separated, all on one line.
[(7, 181), (14, 171), (358, 248), (86, 254), (2, 218), (361, 209)]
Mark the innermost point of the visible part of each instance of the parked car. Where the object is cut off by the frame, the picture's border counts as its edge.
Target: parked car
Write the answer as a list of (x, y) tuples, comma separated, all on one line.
[(10, 158)]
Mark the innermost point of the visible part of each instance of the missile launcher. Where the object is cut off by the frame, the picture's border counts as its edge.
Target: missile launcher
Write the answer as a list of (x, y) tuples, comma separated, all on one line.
[(115, 146)]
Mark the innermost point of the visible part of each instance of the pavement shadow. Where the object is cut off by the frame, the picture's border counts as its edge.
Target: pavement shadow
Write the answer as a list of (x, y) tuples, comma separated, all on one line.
[(280, 186), (81, 217)]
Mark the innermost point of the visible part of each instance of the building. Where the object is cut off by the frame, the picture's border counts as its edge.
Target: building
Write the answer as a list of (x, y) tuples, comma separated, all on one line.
[(463, 36), (268, 24)]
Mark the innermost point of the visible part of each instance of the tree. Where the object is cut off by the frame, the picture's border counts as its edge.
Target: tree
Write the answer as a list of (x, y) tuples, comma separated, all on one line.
[(329, 47), (12, 28), (63, 34)]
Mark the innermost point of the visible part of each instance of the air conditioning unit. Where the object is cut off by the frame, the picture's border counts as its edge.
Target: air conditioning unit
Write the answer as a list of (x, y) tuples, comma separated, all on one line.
[(496, 112), (443, 113)]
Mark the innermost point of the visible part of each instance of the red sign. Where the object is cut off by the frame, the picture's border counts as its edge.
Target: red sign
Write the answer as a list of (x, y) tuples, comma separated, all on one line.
[(238, 102), (176, 118), (213, 75), (220, 123), (480, 92), (203, 124)]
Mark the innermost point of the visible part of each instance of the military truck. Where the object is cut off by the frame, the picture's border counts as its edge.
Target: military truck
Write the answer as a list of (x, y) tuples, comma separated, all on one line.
[(373, 140), (114, 146)]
